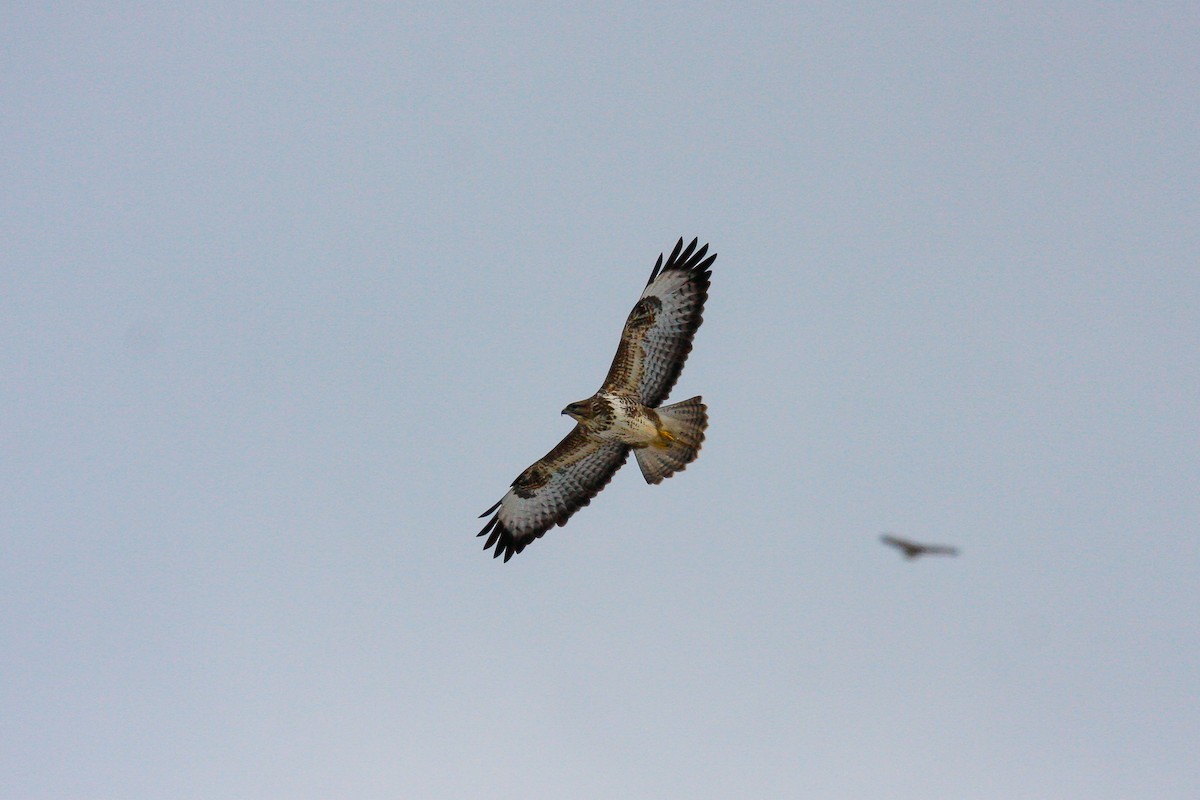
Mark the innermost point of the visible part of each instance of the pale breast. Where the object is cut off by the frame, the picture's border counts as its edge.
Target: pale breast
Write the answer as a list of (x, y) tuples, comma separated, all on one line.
[(632, 423)]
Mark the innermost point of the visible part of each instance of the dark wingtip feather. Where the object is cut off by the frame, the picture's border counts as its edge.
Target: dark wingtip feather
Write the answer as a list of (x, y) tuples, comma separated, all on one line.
[(654, 272), (688, 259), (502, 539), (491, 523), (491, 528), (691, 258), (493, 508), (678, 258)]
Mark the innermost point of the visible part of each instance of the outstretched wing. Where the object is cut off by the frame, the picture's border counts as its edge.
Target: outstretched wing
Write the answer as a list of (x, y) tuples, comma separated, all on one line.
[(658, 333), (898, 543), (913, 549), (550, 491)]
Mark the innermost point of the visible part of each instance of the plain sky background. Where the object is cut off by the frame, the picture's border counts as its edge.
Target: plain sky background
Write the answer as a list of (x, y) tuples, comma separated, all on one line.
[(289, 294)]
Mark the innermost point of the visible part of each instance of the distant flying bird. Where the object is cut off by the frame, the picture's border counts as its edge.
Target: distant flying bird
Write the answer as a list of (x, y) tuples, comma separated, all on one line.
[(625, 414), (913, 549)]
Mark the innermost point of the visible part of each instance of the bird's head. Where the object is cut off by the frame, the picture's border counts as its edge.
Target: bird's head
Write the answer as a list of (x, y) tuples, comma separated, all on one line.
[(580, 411)]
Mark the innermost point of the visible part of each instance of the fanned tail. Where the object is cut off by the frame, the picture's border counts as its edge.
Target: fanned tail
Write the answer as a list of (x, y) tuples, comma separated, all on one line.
[(684, 424)]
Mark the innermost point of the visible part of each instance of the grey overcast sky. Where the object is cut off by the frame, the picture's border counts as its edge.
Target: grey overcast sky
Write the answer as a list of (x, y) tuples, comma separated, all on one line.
[(290, 293)]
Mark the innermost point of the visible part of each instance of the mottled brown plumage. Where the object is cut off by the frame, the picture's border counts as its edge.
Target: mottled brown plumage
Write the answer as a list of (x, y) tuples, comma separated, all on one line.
[(626, 414)]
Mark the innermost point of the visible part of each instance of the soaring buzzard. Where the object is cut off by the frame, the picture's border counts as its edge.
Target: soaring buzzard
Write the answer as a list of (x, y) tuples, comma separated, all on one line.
[(914, 549), (627, 413)]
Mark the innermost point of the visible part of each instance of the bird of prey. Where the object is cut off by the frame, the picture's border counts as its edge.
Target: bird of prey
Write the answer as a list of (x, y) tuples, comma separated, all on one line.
[(625, 414), (914, 549)]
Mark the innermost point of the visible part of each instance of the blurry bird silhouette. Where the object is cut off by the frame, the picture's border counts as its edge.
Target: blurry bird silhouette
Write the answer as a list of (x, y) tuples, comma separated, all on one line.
[(912, 549)]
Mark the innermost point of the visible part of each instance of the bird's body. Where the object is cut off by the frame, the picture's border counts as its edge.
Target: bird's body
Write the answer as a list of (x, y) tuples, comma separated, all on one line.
[(621, 417), (625, 414), (616, 417)]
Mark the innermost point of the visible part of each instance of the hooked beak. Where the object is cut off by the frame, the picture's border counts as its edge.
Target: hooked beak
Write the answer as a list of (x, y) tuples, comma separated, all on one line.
[(572, 410)]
